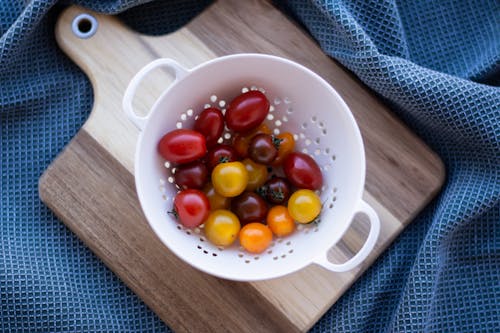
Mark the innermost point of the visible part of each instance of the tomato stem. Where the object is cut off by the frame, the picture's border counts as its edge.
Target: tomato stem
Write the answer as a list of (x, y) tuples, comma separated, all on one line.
[(278, 195), (277, 142), (174, 213), (262, 191)]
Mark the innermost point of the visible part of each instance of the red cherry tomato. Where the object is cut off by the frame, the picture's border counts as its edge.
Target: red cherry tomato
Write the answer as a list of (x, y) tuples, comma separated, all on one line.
[(191, 207), (302, 171), (262, 149), (221, 153), (247, 111), (249, 207), (182, 146), (192, 175), (210, 123)]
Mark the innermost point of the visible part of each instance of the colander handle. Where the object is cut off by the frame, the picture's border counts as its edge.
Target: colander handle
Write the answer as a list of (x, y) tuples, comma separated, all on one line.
[(365, 250), (139, 121)]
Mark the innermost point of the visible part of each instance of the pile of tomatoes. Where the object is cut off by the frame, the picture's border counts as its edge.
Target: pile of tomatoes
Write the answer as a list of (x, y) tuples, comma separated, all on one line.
[(230, 189)]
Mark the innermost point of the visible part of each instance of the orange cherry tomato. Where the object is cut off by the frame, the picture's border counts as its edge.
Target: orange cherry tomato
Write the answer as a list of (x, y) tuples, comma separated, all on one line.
[(216, 200), (285, 147), (279, 221), (257, 174), (255, 237), (242, 141)]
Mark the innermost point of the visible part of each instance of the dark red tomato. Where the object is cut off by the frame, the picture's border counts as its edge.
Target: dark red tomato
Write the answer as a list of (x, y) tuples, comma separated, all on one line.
[(192, 175), (277, 190), (242, 141), (302, 171), (247, 111), (221, 153), (191, 207), (210, 123), (182, 146), (262, 149), (249, 207)]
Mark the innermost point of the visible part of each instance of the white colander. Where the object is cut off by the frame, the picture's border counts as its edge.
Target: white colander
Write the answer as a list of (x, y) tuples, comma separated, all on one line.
[(301, 103)]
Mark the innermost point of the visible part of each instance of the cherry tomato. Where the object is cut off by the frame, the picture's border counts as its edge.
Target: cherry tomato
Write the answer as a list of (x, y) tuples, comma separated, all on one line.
[(255, 237), (242, 141), (216, 200), (182, 146), (191, 207), (277, 190), (222, 227), (302, 171), (279, 221), (285, 146), (192, 175), (262, 149), (220, 154), (257, 174), (304, 206), (249, 207), (210, 123), (230, 179), (247, 111)]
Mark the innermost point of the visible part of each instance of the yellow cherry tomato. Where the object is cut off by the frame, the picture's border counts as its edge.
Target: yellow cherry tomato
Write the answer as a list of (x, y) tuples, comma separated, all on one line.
[(255, 237), (230, 179), (304, 206), (257, 174), (216, 200), (222, 227), (279, 221)]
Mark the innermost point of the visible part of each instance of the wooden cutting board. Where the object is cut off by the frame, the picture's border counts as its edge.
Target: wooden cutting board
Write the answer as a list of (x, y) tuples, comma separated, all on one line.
[(90, 185)]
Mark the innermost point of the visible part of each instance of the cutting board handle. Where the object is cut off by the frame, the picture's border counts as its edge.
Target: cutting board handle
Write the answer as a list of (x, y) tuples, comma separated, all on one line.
[(103, 47), (177, 70)]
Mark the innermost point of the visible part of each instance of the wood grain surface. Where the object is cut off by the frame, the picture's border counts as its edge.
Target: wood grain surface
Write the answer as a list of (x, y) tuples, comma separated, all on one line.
[(90, 185)]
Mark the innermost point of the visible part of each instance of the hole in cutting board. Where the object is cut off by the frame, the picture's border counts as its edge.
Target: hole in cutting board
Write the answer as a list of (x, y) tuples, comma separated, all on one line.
[(84, 26)]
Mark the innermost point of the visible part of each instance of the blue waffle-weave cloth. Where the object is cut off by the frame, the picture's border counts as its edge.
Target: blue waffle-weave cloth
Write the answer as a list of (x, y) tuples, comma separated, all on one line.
[(436, 63)]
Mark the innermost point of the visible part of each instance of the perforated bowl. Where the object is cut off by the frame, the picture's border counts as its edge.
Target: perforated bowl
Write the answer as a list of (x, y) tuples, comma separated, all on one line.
[(301, 103)]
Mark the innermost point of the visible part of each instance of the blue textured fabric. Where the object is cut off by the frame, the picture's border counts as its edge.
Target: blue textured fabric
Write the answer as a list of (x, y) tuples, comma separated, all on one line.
[(432, 61), (437, 63)]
